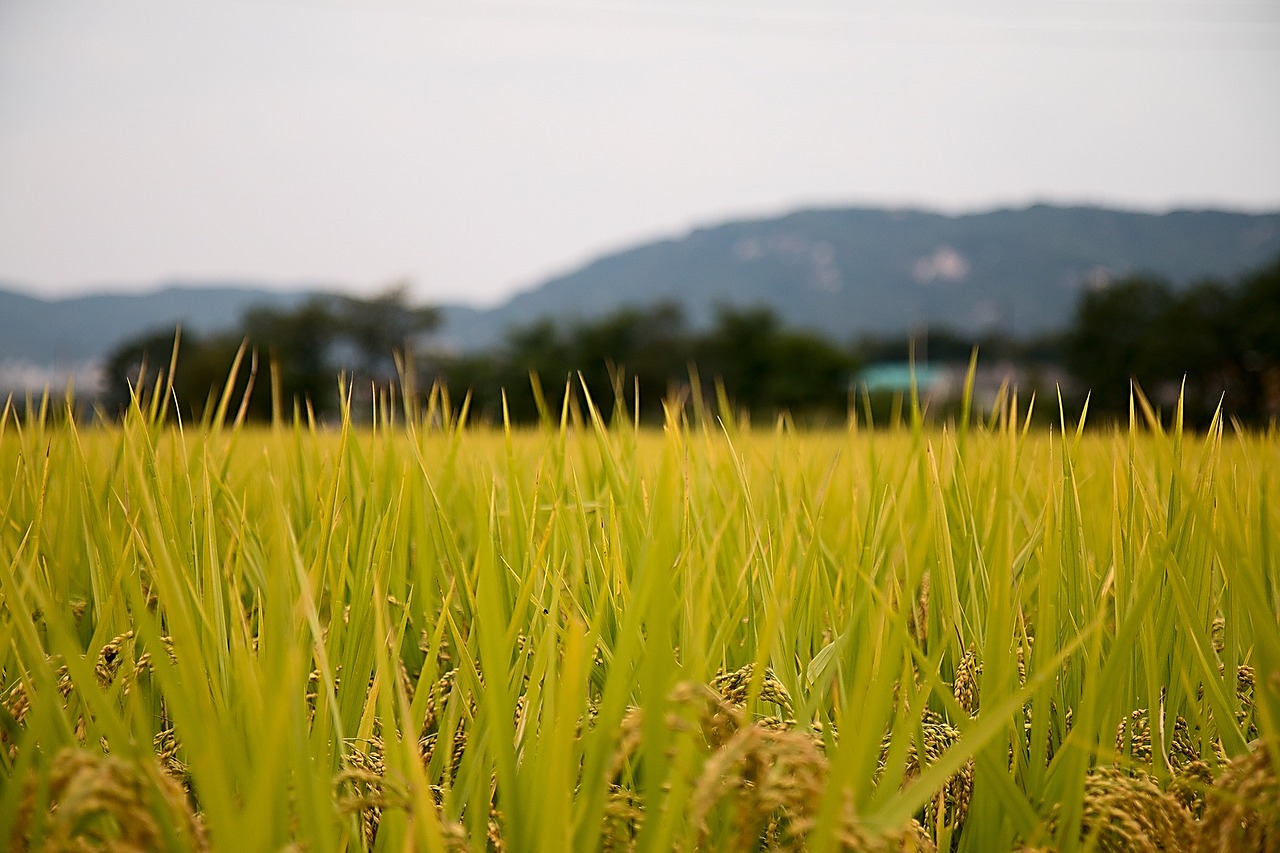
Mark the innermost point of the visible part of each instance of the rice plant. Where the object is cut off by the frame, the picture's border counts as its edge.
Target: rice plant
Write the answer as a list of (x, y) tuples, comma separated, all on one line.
[(593, 636)]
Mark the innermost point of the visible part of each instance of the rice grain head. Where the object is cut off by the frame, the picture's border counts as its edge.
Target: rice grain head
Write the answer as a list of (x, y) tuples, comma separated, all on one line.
[(733, 686), (1129, 813), (1242, 809), (101, 802), (965, 686), (769, 781), (950, 803)]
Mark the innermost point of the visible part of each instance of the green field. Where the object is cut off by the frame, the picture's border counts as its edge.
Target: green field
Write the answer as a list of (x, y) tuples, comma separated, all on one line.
[(591, 636)]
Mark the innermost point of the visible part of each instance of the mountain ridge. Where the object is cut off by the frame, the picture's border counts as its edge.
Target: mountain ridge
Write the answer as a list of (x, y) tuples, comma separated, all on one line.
[(853, 271), (840, 271), (86, 326)]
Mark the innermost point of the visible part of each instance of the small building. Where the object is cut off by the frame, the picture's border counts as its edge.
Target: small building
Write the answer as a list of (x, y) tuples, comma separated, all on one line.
[(894, 377)]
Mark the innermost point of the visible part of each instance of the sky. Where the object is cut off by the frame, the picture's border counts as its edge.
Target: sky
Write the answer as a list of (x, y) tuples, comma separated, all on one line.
[(473, 148)]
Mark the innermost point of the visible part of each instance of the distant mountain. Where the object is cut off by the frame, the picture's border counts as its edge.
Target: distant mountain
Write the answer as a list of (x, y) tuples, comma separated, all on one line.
[(844, 273), (85, 328), (855, 271)]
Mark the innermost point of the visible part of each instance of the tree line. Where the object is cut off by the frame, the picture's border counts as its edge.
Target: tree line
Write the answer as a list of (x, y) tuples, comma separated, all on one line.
[(1220, 342), (634, 360), (279, 361)]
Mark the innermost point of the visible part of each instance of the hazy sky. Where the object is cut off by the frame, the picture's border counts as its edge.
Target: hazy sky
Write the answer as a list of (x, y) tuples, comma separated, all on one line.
[(476, 146)]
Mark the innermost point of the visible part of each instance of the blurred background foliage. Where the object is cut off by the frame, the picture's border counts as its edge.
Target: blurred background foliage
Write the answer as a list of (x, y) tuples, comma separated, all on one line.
[(1213, 343)]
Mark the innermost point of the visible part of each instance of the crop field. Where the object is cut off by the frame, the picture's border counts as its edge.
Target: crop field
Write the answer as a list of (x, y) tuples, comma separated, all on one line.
[(415, 634)]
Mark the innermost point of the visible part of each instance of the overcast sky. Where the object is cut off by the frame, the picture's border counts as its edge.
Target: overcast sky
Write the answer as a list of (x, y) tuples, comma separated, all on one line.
[(474, 147)]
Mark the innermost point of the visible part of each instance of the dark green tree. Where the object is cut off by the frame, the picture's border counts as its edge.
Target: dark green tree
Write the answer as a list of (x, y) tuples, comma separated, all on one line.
[(298, 354), (739, 351), (1117, 339), (375, 329), (633, 350), (1258, 343), (295, 346), (1214, 344), (1196, 336), (204, 365), (766, 369)]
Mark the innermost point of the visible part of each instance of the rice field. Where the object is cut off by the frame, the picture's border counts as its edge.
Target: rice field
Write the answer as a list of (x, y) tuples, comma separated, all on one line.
[(416, 634)]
